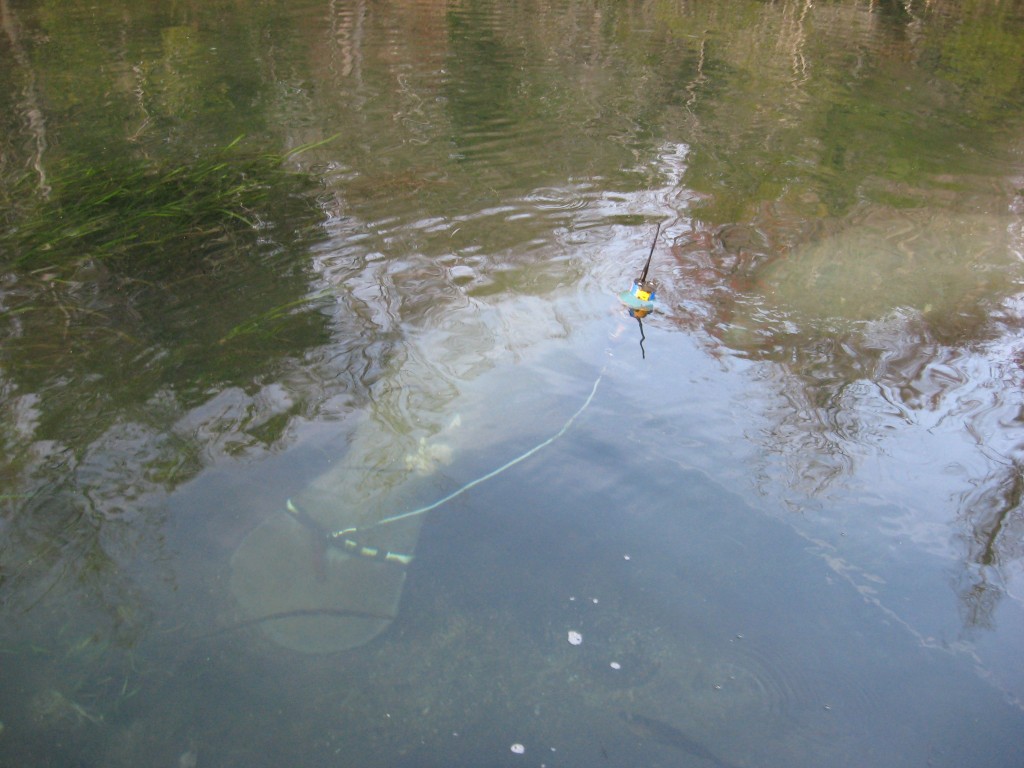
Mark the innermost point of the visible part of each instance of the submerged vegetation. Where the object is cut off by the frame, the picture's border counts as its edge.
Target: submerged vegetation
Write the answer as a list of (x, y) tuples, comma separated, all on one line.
[(175, 299), (112, 281), (128, 215), (111, 259)]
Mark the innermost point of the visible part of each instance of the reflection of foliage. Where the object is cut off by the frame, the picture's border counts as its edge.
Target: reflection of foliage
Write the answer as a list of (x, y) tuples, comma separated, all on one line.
[(114, 327), (145, 71), (150, 278), (823, 126), (844, 380), (984, 56), (157, 313), (993, 521)]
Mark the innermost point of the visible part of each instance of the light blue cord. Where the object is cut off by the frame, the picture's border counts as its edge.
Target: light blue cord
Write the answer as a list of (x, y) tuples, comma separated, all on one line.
[(488, 476)]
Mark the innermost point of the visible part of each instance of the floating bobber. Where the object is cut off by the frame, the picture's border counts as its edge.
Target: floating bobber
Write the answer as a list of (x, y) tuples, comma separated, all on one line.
[(639, 299)]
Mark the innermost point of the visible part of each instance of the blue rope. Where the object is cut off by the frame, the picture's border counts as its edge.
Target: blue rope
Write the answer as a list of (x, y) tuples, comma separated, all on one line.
[(483, 478)]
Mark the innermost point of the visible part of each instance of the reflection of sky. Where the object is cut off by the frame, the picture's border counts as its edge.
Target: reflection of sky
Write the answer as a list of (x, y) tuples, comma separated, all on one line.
[(888, 523), (477, 246), (884, 475), (877, 478)]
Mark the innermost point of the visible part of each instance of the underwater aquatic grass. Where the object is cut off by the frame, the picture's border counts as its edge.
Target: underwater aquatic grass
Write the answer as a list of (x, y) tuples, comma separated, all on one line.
[(266, 320), (129, 211)]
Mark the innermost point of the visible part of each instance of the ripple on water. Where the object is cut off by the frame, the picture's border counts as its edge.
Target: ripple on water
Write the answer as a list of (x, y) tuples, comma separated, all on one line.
[(743, 680), (569, 198)]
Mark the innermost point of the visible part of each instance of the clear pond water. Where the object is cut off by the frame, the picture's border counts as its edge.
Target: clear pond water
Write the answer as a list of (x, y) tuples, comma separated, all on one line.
[(271, 272)]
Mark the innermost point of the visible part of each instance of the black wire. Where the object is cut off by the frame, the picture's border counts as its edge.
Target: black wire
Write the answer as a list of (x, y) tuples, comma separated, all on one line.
[(643, 277)]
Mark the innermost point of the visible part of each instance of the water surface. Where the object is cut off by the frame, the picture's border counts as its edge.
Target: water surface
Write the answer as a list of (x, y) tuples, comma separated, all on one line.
[(365, 256)]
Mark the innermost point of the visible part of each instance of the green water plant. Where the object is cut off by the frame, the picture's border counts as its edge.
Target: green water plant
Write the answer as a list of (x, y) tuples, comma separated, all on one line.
[(138, 212)]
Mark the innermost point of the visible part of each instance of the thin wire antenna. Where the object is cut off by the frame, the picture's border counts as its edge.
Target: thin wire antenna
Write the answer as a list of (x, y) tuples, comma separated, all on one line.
[(647, 266)]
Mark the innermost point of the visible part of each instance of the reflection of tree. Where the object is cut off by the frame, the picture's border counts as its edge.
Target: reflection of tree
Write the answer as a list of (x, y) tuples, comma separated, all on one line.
[(124, 371), (845, 378), (816, 123), (33, 115), (814, 134), (117, 341), (346, 27), (992, 522), (115, 328)]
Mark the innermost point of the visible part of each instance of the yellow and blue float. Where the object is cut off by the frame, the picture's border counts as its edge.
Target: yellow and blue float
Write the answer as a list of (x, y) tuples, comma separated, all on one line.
[(639, 300)]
